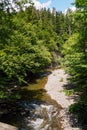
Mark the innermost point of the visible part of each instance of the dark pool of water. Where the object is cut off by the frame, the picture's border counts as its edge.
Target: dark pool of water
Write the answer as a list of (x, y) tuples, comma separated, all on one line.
[(34, 111)]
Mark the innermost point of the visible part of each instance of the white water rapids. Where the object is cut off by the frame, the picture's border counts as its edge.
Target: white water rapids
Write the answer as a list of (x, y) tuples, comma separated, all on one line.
[(41, 117)]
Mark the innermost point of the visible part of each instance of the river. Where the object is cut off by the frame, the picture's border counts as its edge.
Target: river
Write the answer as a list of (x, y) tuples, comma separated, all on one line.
[(34, 111)]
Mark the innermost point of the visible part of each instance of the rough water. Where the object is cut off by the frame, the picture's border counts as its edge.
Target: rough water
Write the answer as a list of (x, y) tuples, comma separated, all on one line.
[(41, 117), (34, 111)]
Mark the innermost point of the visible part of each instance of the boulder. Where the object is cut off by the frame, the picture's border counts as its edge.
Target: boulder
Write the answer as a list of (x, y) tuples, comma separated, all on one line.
[(4, 126)]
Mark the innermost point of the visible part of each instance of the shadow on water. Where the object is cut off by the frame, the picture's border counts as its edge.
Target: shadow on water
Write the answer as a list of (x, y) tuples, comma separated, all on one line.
[(34, 111)]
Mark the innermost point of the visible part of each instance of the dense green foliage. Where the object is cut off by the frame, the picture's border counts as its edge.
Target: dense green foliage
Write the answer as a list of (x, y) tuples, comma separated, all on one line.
[(74, 52), (31, 40), (28, 43)]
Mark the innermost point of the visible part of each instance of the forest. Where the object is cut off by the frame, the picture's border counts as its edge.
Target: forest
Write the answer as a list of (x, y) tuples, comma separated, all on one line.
[(32, 40)]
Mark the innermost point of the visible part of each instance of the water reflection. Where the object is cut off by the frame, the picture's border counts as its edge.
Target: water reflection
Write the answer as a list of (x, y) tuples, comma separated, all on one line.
[(34, 111)]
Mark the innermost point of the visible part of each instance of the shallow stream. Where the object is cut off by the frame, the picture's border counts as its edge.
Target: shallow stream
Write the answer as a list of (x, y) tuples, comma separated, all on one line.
[(35, 110)]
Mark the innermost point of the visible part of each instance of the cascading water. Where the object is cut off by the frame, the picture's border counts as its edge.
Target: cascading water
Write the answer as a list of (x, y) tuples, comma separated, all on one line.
[(34, 111), (41, 117)]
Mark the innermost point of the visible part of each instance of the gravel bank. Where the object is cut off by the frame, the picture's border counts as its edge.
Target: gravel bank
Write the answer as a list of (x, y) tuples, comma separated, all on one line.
[(54, 87)]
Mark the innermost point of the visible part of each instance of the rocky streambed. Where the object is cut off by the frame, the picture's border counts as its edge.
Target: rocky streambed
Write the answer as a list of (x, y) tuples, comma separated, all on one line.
[(34, 111), (43, 105)]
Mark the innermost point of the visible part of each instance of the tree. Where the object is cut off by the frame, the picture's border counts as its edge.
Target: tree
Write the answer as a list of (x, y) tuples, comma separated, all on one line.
[(74, 51), (81, 4)]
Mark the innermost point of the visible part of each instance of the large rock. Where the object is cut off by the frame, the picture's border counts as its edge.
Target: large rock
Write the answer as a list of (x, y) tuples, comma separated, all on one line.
[(4, 126)]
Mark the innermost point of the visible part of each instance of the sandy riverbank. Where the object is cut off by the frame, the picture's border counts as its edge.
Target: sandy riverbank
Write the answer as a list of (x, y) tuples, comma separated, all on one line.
[(54, 87)]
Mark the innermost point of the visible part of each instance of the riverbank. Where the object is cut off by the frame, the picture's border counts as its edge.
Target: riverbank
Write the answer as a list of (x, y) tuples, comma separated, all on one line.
[(55, 88)]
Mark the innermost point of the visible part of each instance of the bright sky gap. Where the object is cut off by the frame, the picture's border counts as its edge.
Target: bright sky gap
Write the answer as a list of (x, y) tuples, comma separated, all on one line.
[(60, 5)]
